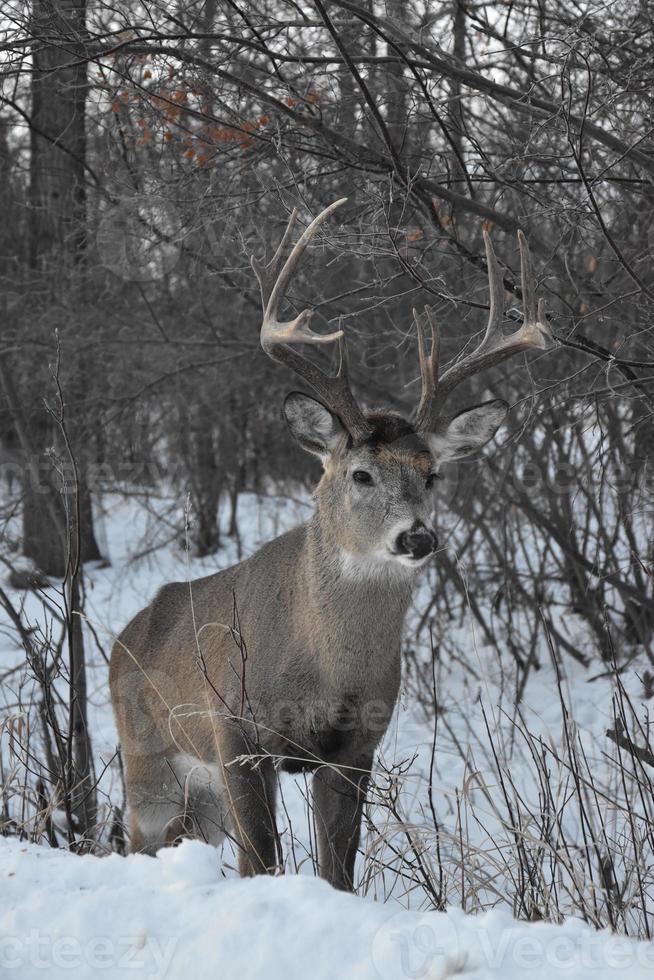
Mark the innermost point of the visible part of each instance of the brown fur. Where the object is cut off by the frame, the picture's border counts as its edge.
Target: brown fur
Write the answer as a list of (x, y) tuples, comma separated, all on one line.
[(289, 659)]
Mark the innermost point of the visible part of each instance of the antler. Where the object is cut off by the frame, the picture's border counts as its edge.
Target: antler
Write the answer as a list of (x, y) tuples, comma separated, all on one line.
[(279, 337), (534, 334)]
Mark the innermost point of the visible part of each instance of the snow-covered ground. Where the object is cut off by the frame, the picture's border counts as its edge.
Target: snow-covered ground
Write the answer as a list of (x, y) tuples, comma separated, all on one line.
[(468, 796), (175, 917)]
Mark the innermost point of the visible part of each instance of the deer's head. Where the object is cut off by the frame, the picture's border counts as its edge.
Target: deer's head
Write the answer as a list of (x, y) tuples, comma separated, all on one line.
[(377, 492)]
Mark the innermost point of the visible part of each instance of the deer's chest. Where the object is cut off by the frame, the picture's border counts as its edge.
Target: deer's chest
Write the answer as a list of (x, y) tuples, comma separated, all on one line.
[(333, 729)]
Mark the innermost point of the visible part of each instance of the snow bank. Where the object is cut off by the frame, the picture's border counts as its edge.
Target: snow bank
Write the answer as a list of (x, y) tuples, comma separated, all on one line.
[(176, 917)]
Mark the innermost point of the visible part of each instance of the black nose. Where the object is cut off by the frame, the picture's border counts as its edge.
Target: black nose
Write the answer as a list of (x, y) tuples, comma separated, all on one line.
[(418, 542)]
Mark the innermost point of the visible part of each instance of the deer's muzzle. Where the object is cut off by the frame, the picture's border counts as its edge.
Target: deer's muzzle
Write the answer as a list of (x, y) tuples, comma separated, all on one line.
[(417, 542)]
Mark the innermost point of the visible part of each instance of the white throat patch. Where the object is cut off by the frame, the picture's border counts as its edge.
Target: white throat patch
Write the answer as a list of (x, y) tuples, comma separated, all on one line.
[(378, 565)]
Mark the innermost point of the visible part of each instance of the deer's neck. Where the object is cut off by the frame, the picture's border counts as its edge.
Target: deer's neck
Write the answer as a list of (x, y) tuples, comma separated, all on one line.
[(359, 605)]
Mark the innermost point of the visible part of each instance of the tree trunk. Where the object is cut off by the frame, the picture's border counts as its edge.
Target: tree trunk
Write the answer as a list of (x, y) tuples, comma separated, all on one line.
[(457, 125), (397, 89), (205, 483), (57, 518), (58, 138), (57, 245)]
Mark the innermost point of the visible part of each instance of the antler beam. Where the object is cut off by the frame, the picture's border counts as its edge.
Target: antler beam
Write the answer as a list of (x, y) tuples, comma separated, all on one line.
[(533, 334), (280, 337)]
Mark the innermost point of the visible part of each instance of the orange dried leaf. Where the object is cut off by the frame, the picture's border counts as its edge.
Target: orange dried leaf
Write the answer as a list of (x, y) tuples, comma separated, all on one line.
[(592, 264), (415, 235), (263, 120), (147, 74), (223, 135), (190, 153), (168, 136)]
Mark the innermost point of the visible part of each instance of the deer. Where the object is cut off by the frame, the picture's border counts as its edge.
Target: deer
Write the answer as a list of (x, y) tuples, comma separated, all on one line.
[(291, 660)]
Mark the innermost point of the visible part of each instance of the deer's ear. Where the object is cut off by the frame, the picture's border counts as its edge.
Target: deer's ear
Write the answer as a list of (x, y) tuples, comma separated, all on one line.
[(468, 431), (312, 425)]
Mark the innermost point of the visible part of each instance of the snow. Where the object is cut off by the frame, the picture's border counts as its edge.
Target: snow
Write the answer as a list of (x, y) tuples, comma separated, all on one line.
[(175, 916), (186, 909)]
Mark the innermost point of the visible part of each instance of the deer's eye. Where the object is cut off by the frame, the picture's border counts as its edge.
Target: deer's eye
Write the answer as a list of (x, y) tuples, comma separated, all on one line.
[(361, 476), (431, 479)]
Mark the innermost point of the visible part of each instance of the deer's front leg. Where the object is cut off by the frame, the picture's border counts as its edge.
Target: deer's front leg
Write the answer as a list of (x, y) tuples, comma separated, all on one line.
[(250, 795), (338, 798)]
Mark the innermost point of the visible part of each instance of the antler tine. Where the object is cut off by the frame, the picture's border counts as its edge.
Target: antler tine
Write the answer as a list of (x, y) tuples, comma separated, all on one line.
[(534, 310), (279, 337), (496, 290), (268, 274), (527, 281), (533, 334), (428, 362)]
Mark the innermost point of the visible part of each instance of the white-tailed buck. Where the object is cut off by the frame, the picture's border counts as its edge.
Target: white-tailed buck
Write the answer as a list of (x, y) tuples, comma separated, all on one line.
[(291, 659)]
